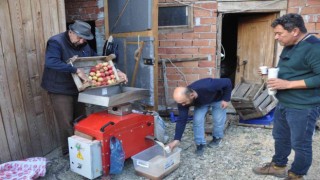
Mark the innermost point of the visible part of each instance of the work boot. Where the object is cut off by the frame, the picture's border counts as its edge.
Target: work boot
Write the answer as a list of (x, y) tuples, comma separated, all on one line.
[(293, 176), (200, 150), (214, 142), (270, 169)]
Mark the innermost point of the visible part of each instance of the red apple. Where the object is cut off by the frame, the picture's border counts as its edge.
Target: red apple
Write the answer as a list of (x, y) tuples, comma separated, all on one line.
[(101, 70), (109, 66), (108, 77), (112, 76), (110, 71), (93, 69), (98, 83), (105, 68), (92, 73), (106, 73)]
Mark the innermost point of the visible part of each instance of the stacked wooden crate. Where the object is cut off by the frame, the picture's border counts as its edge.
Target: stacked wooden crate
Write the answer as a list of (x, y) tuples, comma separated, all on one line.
[(251, 100)]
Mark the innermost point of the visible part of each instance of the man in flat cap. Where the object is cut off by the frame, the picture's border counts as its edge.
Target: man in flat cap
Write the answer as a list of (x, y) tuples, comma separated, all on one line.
[(57, 78)]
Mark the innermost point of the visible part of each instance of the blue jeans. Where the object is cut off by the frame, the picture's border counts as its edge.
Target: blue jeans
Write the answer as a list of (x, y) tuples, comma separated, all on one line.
[(293, 129), (219, 119)]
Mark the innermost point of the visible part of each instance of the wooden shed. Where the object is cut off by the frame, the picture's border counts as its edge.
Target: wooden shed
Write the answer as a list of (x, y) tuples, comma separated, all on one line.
[(27, 127)]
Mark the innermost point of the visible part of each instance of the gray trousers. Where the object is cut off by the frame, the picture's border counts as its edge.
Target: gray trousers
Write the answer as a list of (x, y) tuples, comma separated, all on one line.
[(66, 109)]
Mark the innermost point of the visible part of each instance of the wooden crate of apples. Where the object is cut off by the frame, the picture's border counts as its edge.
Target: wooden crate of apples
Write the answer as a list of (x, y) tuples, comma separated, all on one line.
[(99, 69), (102, 74)]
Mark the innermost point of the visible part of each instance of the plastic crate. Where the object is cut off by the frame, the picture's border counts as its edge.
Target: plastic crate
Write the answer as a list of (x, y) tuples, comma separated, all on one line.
[(265, 120), (174, 118), (155, 163)]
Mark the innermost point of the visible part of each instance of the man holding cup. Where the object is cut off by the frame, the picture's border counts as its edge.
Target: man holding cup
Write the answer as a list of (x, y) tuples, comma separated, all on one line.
[(298, 92)]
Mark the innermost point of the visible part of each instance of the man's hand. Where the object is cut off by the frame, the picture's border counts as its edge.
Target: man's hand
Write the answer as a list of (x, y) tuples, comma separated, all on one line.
[(173, 144), (122, 76), (82, 75), (275, 83), (224, 104)]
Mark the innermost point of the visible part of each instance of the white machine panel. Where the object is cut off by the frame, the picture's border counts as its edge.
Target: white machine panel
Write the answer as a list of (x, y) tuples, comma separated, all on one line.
[(85, 156)]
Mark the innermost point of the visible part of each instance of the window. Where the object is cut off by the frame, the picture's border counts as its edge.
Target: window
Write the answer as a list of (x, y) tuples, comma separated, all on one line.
[(175, 17)]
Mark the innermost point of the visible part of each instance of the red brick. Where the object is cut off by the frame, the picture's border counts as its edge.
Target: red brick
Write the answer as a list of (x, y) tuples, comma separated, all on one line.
[(203, 71), (317, 26), (207, 35), (192, 77), (202, 29), (174, 36), (91, 10), (173, 83), (182, 83), (162, 36), (187, 70), (207, 76), (208, 20), (162, 50), (201, 42), (184, 43), (166, 56), (211, 6), (207, 50), (310, 10), (182, 50), (294, 3), (313, 2), (187, 64), (190, 36), (310, 26), (89, 4), (167, 43), (172, 70), (201, 13), (293, 10), (206, 64), (174, 77)]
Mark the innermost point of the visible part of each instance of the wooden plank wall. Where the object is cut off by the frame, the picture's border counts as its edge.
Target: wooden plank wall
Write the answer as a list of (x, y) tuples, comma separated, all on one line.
[(27, 126)]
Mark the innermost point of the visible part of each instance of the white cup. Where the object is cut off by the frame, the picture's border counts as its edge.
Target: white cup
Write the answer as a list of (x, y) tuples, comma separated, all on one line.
[(264, 69), (272, 73)]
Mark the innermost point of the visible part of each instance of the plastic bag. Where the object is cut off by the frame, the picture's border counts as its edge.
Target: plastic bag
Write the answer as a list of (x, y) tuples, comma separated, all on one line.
[(160, 129), (117, 156)]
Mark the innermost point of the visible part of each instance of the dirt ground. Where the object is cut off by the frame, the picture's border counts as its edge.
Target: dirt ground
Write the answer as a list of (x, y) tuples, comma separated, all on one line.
[(241, 149)]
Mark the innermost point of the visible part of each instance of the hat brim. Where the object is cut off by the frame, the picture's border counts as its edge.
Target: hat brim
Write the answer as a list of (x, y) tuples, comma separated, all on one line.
[(87, 37)]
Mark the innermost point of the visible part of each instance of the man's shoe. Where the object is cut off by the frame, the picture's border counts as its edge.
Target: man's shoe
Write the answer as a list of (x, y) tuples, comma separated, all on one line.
[(215, 142), (270, 169), (200, 150), (293, 176)]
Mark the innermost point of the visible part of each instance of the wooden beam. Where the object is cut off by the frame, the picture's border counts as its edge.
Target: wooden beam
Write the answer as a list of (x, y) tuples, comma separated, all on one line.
[(251, 6), (183, 59)]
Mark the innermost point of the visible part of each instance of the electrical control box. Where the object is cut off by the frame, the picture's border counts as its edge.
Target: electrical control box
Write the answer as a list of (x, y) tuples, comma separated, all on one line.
[(85, 157)]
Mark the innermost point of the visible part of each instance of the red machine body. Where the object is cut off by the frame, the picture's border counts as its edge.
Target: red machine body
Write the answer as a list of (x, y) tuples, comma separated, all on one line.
[(130, 129)]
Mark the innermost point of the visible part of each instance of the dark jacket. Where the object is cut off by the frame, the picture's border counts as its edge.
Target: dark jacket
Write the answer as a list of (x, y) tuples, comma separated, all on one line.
[(57, 73)]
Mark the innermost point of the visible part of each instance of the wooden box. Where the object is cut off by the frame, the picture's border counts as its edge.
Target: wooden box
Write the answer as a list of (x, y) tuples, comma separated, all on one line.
[(252, 100), (86, 63)]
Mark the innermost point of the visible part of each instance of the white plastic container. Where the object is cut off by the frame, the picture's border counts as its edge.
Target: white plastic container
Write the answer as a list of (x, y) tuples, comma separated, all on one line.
[(155, 163)]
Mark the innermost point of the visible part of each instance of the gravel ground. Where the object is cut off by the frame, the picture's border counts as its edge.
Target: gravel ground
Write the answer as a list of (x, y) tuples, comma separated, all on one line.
[(241, 149)]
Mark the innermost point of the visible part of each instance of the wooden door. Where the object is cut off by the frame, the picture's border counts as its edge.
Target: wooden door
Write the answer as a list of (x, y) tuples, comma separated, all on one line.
[(255, 46), (134, 26)]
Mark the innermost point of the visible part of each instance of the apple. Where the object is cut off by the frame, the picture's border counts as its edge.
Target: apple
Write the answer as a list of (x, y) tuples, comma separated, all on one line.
[(98, 83), (90, 78), (112, 76), (105, 68), (94, 77), (106, 73), (108, 77), (109, 66), (98, 74), (110, 71), (92, 73), (103, 83), (105, 64), (110, 81), (93, 69), (100, 79), (102, 74), (101, 70)]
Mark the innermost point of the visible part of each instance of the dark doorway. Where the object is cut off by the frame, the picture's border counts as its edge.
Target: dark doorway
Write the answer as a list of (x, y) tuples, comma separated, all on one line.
[(92, 43), (229, 46)]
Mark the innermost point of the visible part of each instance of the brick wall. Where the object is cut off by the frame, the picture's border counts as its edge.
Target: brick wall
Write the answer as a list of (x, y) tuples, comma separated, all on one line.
[(199, 41), (88, 10), (310, 10)]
